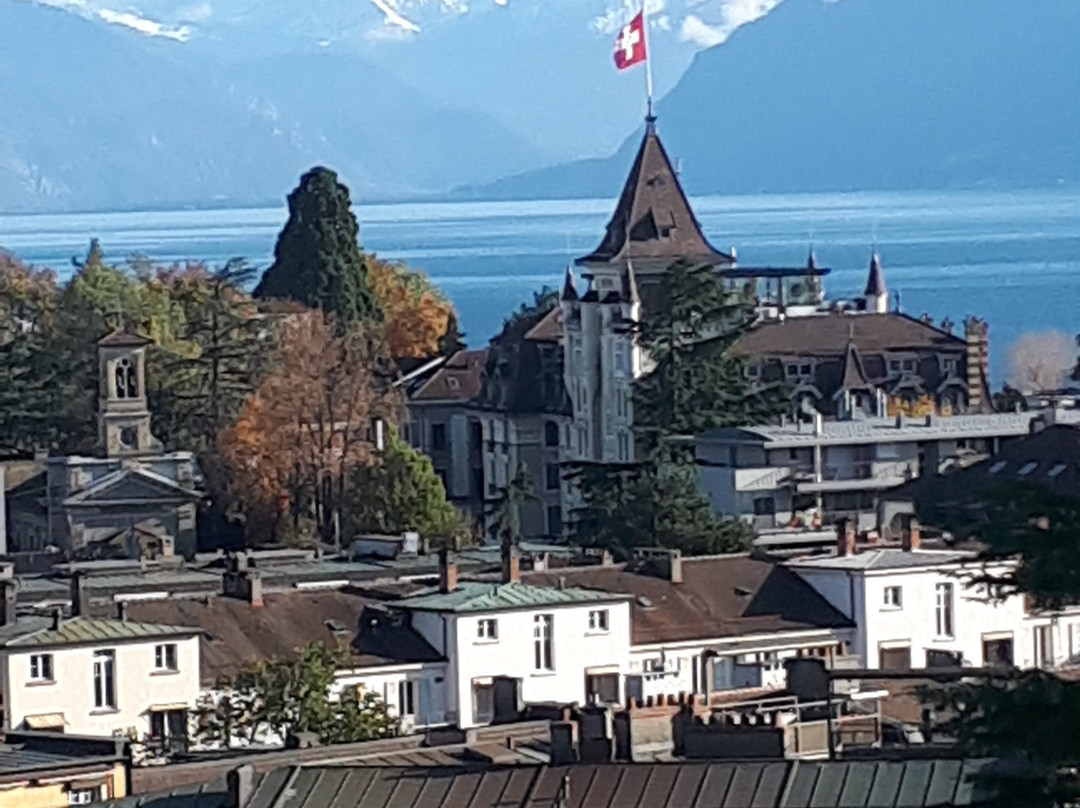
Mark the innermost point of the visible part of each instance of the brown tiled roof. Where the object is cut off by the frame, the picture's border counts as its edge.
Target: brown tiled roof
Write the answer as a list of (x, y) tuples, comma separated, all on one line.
[(460, 379), (238, 634), (652, 202), (829, 334), (718, 597), (549, 329)]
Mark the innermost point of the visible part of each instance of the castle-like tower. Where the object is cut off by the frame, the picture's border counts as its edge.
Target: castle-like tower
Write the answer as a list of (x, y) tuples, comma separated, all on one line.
[(652, 228)]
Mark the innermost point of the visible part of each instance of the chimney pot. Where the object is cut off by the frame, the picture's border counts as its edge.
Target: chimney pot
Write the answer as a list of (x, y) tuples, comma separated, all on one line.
[(80, 600), (121, 611), (845, 538), (511, 564), (8, 616), (448, 571), (910, 537)]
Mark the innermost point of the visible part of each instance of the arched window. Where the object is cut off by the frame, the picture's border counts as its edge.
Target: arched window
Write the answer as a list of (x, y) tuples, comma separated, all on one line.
[(126, 379)]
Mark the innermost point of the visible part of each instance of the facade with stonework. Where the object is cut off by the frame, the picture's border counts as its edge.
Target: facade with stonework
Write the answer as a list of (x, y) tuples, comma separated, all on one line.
[(131, 500)]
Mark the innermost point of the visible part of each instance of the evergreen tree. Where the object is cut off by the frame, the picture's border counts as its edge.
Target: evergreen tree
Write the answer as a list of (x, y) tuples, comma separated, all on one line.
[(687, 330), (505, 510), (400, 491), (317, 259)]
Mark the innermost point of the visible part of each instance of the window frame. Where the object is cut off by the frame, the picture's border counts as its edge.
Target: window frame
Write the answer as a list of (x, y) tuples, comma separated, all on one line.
[(599, 621), (406, 698), (39, 676), (543, 643), (892, 597), (487, 630), (944, 610), (104, 680), (162, 663)]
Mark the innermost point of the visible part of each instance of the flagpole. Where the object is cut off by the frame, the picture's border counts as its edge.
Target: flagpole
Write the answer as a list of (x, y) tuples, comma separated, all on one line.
[(648, 56)]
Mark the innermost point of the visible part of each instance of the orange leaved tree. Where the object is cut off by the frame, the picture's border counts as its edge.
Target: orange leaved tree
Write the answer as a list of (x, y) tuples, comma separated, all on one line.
[(415, 314), (310, 421)]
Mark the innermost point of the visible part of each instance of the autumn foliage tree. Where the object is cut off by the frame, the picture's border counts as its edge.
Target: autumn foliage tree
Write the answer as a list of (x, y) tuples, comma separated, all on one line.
[(416, 316), (308, 424)]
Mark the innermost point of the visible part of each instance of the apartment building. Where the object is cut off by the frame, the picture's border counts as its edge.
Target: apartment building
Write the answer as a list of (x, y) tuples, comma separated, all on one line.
[(816, 472)]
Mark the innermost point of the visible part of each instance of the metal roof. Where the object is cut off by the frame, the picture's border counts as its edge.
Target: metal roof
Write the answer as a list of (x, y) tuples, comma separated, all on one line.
[(79, 630), (890, 558), (780, 784), (885, 430), (473, 596)]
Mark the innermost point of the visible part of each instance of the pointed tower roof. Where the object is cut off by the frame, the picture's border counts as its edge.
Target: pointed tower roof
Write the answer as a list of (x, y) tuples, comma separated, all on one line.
[(569, 289), (875, 282), (854, 372), (653, 222), (811, 262)]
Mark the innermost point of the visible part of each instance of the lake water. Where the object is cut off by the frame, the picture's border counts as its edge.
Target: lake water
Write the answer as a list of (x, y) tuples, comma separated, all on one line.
[(1013, 258)]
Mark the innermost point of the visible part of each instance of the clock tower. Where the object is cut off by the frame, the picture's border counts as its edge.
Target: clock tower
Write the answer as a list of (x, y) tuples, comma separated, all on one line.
[(123, 416)]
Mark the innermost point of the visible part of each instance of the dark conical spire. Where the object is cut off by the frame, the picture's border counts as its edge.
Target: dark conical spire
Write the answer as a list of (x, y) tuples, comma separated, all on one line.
[(569, 289), (652, 219), (875, 282)]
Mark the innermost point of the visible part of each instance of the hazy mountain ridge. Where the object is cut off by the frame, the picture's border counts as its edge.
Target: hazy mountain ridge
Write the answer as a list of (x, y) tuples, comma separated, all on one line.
[(865, 94)]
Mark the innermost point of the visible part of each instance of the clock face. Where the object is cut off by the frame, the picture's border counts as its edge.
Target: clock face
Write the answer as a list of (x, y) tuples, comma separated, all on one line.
[(129, 437)]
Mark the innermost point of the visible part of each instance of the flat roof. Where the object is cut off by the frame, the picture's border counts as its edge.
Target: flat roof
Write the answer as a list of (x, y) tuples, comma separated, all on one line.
[(886, 558), (885, 430)]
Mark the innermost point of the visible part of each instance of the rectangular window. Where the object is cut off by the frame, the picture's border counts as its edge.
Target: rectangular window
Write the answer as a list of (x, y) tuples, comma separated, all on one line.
[(909, 364), (487, 629), (895, 659), (602, 688), (165, 657), (543, 653), (598, 620), (792, 371), (168, 725), (84, 796), (943, 611), (483, 703), (552, 478), (894, 597), (438, 437), (1044, 647), (894, 364), (764, 506), (41, 668), (997, 651), (104, 684), (406, 704), (554, 519), (806, 370)]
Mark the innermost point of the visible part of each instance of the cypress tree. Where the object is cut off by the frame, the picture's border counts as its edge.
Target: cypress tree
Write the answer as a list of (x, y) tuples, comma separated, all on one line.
[(317, 258)]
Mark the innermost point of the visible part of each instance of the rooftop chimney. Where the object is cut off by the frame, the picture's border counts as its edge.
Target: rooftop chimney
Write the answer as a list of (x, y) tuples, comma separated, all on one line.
[(243, 582), (910, 537), (976, 360), (80, 598), (845, 538), (447, 571), (7, 604), (511, 564), (241, 785), (121, 611)]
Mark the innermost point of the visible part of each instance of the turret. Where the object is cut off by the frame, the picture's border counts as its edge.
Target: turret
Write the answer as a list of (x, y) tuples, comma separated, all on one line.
[(876, 296)]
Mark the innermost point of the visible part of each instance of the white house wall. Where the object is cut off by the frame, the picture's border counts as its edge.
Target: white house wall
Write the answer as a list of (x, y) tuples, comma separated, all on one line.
[(576, 649), (138, 687)]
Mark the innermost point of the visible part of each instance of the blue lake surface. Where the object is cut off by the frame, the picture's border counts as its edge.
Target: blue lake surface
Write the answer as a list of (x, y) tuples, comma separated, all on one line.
[(1013, 258)]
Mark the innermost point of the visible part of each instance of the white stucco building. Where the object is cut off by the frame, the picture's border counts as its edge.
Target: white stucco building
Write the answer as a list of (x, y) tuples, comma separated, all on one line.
[(916, 608), (92, 676)]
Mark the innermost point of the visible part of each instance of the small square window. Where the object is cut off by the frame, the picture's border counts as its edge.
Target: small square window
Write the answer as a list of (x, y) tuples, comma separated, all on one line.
[(893, 598), (41, 668), (165, 657), (909, 364), (487, 630), (84, 796), (792, 371), (806, 370), (598, 620), (894, 364)]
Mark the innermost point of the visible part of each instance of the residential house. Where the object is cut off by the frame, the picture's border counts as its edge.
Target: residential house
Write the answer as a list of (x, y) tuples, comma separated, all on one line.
[(46, 770), (807, 473), (133, 500), (712, 625), (914, 607), (94, 675)]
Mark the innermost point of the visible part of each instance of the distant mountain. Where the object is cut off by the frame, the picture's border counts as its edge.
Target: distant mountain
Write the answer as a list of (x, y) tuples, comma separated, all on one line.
[(95, 116), (865, 94)]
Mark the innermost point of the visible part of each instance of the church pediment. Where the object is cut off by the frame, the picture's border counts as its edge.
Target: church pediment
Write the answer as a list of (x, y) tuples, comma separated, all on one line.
[(131, 486)]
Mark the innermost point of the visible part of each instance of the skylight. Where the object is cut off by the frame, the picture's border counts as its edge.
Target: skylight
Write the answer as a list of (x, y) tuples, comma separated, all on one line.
[(1056, 470), (1026, 469), (998, 466)]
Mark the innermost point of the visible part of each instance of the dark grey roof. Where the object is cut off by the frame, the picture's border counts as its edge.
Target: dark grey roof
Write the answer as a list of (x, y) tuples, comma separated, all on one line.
[(875, 281), (780, 784), (652, 219)]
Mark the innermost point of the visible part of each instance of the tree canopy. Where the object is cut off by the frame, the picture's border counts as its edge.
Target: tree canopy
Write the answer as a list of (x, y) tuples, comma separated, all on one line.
[(317, 258), (399, 492)]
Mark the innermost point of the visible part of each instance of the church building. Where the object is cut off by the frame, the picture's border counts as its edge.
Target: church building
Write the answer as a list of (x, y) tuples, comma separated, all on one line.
[(131, 500)]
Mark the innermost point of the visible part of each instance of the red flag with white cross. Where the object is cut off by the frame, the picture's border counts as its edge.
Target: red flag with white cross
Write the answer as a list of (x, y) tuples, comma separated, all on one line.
[(630, 43)]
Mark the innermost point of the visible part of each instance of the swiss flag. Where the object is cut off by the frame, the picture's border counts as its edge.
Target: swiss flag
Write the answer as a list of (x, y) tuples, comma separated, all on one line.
[(630, 43)]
